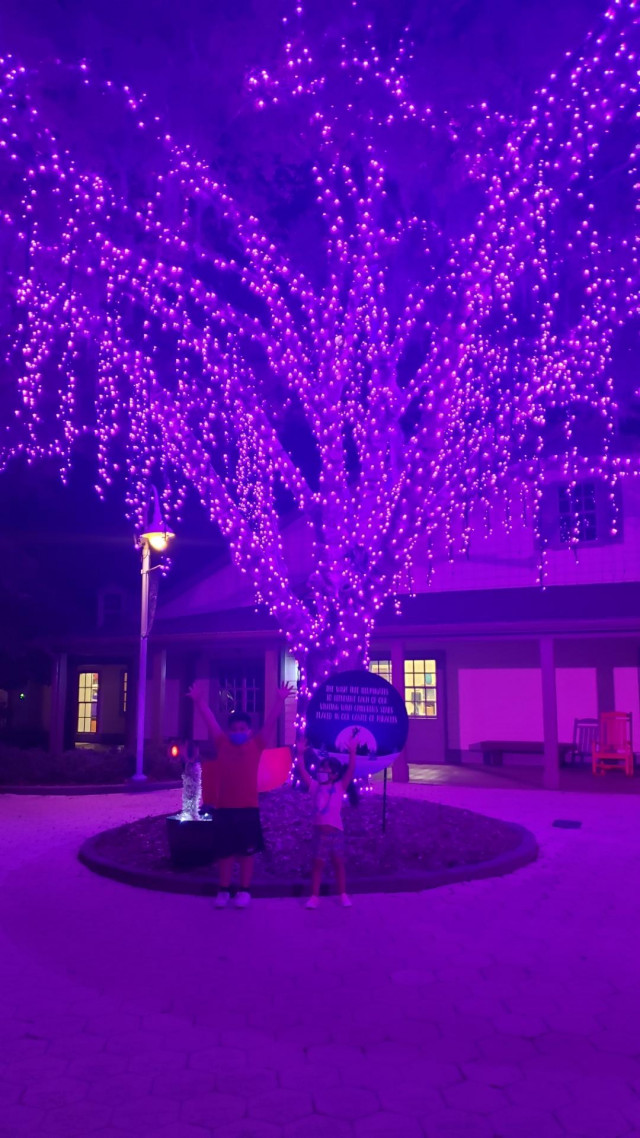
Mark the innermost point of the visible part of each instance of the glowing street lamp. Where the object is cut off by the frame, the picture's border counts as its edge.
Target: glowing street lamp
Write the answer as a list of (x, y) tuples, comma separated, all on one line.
[(156, 536), (157, 533)]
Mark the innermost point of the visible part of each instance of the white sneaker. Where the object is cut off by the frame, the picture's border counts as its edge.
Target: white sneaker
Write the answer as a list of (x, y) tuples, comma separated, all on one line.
[(345, 901), (241, 899), (222, 899), (313, 902)]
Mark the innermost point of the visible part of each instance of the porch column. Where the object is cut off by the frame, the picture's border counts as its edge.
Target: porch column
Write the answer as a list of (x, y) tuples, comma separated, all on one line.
[(605, 688), (190, 725), (158, 695), (58, 703), (551, 772), (271, 684), (400, 769)]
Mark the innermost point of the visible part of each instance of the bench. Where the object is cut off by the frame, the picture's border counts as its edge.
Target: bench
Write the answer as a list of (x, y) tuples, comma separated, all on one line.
[(494, 750)]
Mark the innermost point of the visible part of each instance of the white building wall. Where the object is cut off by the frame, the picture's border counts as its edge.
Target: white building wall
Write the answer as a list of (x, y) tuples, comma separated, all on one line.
[(626, 693), (495, 689), (500, 559), (505, 559), (577, 692), (499, 703)]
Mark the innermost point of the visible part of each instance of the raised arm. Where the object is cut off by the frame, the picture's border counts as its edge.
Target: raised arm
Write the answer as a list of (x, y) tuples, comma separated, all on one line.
[(302, 766), (273, 715), (347, 777), (198, 693)]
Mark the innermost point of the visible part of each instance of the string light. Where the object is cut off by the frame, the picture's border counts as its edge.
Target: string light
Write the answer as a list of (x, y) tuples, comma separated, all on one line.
[(441, 377), (191, 791)]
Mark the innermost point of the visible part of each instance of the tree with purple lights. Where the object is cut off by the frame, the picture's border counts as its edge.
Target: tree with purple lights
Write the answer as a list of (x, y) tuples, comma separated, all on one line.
[(415, 376)]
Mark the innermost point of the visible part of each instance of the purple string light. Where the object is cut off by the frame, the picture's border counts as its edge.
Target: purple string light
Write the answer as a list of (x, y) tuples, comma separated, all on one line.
[(158, 315)]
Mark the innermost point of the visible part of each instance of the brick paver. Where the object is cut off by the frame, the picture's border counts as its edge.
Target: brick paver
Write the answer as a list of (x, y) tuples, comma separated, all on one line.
[(505, 1008)]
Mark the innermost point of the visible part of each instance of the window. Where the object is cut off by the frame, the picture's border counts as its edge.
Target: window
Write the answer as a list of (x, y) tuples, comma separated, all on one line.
[(124, 691), (290, 675), (578, 516), (290, 670), (381, 666), (242, 690), (420, 690), (88, 686)]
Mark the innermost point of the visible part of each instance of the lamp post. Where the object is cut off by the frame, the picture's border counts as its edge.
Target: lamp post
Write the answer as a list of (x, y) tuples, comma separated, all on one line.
[(156, 536)]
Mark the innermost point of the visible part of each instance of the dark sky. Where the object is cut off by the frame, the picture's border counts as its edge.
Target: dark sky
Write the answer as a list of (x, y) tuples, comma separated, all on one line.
[(191, 58), (193, 55), (60, 544)]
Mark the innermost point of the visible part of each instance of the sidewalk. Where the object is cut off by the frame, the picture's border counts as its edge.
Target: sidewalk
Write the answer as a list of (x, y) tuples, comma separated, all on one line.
[(515, 776), (507, 1007)]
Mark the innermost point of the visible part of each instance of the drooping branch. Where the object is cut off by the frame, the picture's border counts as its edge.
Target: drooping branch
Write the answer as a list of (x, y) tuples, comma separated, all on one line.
[(430, 372)]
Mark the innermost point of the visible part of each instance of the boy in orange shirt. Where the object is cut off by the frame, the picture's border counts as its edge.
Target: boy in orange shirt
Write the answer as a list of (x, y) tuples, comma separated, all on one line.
[(237, 817)]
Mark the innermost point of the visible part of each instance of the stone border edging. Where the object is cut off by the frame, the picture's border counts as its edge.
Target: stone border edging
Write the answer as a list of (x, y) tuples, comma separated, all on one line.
[(97, 788), (171, 882)]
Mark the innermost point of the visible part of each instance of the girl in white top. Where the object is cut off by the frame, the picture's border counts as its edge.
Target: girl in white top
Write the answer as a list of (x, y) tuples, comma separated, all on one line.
[(327, 789)]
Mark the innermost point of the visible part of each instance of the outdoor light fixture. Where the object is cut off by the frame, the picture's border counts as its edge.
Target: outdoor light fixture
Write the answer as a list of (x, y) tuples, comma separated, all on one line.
[(156, 536), (157, 533)]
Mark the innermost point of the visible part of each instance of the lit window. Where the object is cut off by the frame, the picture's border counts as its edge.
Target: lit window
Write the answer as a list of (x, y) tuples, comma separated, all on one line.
[(578, 518), (381, 666), (420, 691), (290, 670), (123, 692), (88, 684)]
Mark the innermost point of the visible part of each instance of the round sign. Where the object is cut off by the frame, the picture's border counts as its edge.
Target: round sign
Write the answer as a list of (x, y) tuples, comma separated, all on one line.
[(364, 703)]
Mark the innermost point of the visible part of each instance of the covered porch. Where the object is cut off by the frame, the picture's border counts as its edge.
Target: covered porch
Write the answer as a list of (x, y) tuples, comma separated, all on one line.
[(518, 664)]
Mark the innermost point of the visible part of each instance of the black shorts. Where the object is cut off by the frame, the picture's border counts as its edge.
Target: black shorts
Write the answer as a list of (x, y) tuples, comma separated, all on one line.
[(237, 832)]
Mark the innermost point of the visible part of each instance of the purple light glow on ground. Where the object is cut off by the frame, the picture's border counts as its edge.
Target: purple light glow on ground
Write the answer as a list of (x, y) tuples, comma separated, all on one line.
[(499, 1007)]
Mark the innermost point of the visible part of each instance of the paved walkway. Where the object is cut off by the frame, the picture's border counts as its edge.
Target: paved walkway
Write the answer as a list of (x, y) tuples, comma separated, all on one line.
[(506, 1008), (515, 777)]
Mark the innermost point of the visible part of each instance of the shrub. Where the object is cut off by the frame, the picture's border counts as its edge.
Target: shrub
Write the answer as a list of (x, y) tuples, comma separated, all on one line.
[(84, 767)]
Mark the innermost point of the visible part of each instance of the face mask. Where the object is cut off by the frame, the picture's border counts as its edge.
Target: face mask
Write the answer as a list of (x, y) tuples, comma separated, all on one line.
[(239, 737)]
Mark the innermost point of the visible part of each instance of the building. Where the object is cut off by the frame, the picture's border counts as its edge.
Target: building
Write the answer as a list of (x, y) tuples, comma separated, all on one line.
[(482, 652)]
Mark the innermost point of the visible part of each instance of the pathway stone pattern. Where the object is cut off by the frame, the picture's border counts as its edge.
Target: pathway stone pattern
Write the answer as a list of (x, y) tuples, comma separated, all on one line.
[(506, 1008)]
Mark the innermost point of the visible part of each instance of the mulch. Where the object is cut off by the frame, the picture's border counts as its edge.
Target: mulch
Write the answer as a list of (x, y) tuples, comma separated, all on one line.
[(421, 837)]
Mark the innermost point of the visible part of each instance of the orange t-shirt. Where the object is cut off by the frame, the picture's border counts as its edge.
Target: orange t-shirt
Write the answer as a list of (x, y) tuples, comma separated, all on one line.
[(230, 781)]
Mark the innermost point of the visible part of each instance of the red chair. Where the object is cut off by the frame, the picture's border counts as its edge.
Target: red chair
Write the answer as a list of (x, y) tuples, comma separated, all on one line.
[(613, 748)]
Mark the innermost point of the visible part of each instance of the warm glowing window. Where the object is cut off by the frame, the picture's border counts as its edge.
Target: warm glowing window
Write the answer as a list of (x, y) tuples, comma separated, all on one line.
[(88, 685), (381, 666), (420, 691), (124, 691)]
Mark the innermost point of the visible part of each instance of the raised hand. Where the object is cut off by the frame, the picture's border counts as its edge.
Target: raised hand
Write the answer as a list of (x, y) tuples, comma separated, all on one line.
[(286, 691), (198, 691)]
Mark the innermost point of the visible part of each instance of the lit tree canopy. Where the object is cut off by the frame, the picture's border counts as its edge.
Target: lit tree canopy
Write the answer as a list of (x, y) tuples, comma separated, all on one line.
[(414, 369)]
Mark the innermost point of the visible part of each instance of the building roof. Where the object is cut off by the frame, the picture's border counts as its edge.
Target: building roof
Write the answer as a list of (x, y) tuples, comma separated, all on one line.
[(558, 610), (233, 620), (561, 609)]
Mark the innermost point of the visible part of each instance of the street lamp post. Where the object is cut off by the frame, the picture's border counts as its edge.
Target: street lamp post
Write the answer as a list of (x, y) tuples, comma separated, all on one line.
[(157, 537)]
